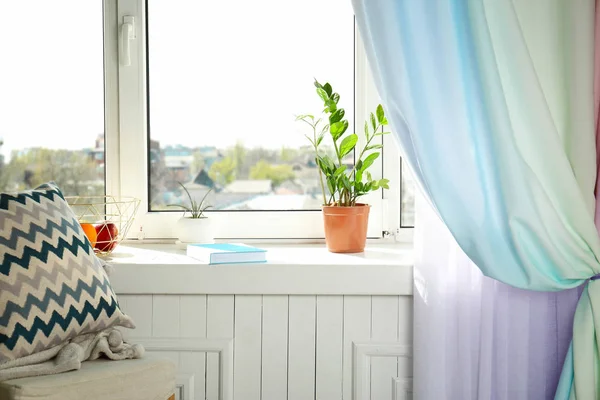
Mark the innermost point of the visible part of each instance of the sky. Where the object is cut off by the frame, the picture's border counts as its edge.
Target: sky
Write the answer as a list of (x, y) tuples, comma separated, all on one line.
[(220, 72)]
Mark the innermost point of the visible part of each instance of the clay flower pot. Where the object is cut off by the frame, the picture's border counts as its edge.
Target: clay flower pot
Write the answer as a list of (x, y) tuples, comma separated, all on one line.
[(346, 228)]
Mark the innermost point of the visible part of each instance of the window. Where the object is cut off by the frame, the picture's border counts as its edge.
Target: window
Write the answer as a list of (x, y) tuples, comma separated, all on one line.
[(202, 93), (52, 95), (223, 88)]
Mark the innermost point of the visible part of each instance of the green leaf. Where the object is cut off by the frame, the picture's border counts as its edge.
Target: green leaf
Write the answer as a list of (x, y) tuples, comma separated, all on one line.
[(321, 164), (329, 164), (331, 185), (380, 114), (384, 183), (310, 140), (358, 176), (337, 116), (319, 139), (382, 133), (374, 147), (367, 130), (317, 84), (346, 182), (328, 89), (323, 94), (348, 144), (369, 160), (331, 106), (304, 116), (337, 129), (340, 170), (369, 177), (335, 97), (373, 123)]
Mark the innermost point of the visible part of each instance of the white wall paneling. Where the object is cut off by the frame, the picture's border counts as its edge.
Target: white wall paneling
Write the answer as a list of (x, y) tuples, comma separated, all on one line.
[(402, 389), (184, 387), (175, 348), (274, 347), (301, 347), (329, 347), (139, 307), (363, 355), (279, 347), (405, 333), (220, 312), (248, 347), (357, 328), (384, 328), (192, 323)]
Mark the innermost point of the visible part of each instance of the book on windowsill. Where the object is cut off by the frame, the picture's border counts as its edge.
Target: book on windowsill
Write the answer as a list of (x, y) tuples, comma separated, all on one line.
[(226, 253)]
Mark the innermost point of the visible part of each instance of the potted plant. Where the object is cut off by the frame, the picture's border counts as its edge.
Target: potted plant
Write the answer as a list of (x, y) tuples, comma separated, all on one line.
[(345, 219), (194, 227)]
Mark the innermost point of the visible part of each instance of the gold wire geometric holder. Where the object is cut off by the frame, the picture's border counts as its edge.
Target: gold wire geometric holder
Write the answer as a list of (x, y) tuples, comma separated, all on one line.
[(101, 211)]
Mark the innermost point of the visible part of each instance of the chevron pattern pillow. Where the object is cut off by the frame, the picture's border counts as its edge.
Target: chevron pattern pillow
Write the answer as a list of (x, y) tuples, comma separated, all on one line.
[(52, 286)]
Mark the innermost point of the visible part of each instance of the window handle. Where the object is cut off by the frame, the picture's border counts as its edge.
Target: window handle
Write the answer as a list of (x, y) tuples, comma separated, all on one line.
[(127, 34)]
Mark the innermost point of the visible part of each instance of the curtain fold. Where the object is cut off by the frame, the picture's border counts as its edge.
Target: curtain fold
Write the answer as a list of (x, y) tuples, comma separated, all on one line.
[(476, 338), (492, 104)]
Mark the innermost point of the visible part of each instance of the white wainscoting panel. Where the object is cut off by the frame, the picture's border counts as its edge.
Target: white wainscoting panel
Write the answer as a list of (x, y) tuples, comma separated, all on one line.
[(402, 389), (275, 347), (192, 323), (330, 346), (363, 355), (184, 387), (301, 347), (357, 328), (248, 347), (279, 347), (384, 328), (220, 313)]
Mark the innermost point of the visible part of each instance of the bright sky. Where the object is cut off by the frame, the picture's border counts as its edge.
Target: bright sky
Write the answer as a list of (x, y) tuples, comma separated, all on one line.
[(220, 71)]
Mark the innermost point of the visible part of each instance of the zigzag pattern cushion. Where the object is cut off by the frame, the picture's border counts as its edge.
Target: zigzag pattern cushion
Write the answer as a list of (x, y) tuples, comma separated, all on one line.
[(52, 286)]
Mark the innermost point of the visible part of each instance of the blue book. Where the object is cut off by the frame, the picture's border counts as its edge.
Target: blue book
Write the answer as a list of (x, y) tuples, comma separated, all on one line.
[(226, 253)]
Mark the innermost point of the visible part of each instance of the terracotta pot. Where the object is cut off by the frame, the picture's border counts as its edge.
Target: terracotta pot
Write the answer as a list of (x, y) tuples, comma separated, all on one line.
[(346, 228)]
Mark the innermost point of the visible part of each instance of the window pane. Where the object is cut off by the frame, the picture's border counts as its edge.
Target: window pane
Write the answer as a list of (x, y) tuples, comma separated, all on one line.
[(52, 95), (226, 80), (408, 198)]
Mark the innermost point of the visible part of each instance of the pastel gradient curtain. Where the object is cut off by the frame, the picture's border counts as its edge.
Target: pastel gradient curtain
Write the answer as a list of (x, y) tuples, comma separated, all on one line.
[(475, 337), (492, 104)]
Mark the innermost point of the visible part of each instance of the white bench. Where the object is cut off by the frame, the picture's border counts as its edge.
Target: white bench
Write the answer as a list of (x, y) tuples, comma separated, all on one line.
[(148, 378)]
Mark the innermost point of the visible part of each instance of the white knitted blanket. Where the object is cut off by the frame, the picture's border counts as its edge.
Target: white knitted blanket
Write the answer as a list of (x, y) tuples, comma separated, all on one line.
[(69, 356)]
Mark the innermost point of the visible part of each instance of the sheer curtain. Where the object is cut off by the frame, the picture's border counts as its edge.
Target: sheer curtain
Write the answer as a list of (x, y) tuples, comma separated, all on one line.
[(476, 338), (492, 104)]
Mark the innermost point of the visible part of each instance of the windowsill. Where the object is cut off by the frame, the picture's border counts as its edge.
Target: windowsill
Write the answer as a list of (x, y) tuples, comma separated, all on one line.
[(383, 269)]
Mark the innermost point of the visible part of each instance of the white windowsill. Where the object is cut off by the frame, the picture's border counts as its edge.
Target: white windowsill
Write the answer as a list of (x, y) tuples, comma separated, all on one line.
[(383, 269)]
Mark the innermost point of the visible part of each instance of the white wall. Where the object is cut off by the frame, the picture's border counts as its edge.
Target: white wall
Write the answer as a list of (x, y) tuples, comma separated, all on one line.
[(279, 347)]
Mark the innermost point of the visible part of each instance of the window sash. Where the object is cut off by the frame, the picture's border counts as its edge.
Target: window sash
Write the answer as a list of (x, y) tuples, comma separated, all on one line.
[(127, 141)]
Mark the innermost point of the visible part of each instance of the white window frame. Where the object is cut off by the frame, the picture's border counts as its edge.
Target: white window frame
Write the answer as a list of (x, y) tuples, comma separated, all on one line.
[(126, 148)]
